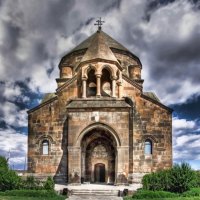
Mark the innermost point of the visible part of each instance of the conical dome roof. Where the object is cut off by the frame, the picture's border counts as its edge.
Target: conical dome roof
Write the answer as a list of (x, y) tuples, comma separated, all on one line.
[(100, 46), (112, 43)]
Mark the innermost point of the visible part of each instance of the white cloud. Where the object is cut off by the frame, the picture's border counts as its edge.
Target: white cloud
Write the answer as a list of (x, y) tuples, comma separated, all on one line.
[(13, 116), (186, 140), (15, 143), (11, 91), (182, 124)]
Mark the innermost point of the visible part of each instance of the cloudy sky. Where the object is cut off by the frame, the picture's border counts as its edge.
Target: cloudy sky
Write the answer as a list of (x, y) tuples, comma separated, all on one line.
[(164, 34)]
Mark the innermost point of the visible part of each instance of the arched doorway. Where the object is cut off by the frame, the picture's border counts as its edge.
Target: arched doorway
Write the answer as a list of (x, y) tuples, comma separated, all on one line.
[(99, 173), (98, 153)]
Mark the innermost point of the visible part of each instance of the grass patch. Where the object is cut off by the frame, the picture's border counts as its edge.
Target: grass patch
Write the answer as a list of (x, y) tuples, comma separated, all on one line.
[(175, 198), (31, 198), (30, 194), (192, 194)]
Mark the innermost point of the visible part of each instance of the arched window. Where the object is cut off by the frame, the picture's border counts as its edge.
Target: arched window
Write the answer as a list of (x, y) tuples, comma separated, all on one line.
[(148, 147), (45, 147), (91, 84), (106, 83)]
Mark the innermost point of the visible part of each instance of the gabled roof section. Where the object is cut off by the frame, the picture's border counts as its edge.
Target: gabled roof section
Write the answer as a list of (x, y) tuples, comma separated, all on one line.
[(152, 95), (47, 99), (48, 96), (99, 48)]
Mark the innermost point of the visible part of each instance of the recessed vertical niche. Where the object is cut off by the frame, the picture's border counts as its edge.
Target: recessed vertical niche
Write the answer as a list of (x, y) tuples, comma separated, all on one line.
[(91, 84), (106, 83)]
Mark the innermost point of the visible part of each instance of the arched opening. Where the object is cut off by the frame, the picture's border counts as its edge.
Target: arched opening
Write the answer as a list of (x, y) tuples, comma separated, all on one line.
[(99, 152), (45, 147), (148, 147), (106, 83), (91, 84)]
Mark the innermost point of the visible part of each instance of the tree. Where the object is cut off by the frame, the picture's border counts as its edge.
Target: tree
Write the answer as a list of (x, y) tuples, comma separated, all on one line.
[(8, 178)]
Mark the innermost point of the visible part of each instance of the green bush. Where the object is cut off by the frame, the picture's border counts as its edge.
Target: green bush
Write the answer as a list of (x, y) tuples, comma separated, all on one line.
[(179, 178), (9, 179), (3, 164), (182, 177), (31, 183), (196, 182), (157, 181), (143, 194), (49, 184)]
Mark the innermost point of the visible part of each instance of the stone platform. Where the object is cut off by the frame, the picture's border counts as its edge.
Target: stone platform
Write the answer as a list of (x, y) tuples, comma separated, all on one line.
[(96, 191)]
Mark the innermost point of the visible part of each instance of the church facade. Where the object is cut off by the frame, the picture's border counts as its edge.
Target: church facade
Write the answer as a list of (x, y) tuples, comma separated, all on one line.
[(99, 126)]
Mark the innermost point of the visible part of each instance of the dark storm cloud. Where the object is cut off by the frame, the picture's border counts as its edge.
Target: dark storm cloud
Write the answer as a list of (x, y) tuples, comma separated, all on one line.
[(11, 37), (176, 58), (189, 109)]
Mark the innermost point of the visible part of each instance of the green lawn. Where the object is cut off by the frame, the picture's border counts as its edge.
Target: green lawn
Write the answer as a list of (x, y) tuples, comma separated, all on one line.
[(30, 198), (176, 198)]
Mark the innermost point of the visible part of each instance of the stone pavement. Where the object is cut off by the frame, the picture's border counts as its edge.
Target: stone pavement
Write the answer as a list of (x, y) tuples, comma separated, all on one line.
[(88, 197)]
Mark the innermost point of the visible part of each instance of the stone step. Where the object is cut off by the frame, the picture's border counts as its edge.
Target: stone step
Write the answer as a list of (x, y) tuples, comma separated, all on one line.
[(94, 192), (89, 197)]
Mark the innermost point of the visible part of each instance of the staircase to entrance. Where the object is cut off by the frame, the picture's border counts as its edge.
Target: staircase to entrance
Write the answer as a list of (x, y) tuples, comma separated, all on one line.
[(96, 191)]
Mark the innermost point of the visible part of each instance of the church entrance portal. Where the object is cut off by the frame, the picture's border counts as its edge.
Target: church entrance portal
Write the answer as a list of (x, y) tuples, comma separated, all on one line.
[(98, 156), (99, 172)]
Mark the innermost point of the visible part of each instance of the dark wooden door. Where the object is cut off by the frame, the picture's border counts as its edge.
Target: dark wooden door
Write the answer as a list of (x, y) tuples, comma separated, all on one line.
[(100, 173)]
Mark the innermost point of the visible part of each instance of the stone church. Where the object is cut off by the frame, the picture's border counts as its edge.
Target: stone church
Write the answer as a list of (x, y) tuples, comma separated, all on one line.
[(99, 126)]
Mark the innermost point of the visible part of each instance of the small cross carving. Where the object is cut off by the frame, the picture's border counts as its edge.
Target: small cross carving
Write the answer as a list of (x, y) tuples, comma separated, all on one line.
[(99, 23)]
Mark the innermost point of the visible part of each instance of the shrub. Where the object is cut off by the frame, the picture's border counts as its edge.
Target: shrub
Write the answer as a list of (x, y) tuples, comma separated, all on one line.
[(3, 164), (31, 183), (143, 194), (196, 182), (49, 184), (182, 177), (9, 179), (178, 179), (157, 181)]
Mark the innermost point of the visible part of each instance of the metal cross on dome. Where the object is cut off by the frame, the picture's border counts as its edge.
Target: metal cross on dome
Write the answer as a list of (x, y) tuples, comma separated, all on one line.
[(99, 23)]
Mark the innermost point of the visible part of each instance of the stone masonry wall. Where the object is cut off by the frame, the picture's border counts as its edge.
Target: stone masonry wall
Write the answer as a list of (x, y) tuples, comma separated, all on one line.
[(151, 121)]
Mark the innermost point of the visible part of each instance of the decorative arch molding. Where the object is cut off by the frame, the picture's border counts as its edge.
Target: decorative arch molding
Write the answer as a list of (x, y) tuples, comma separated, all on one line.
[(98, 67), (112, 70), (86, 69), (149, 137), (98, 125), (45, 137)]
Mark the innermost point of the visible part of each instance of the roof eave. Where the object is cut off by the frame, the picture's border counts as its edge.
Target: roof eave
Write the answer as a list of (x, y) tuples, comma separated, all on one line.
[(157, 102)]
